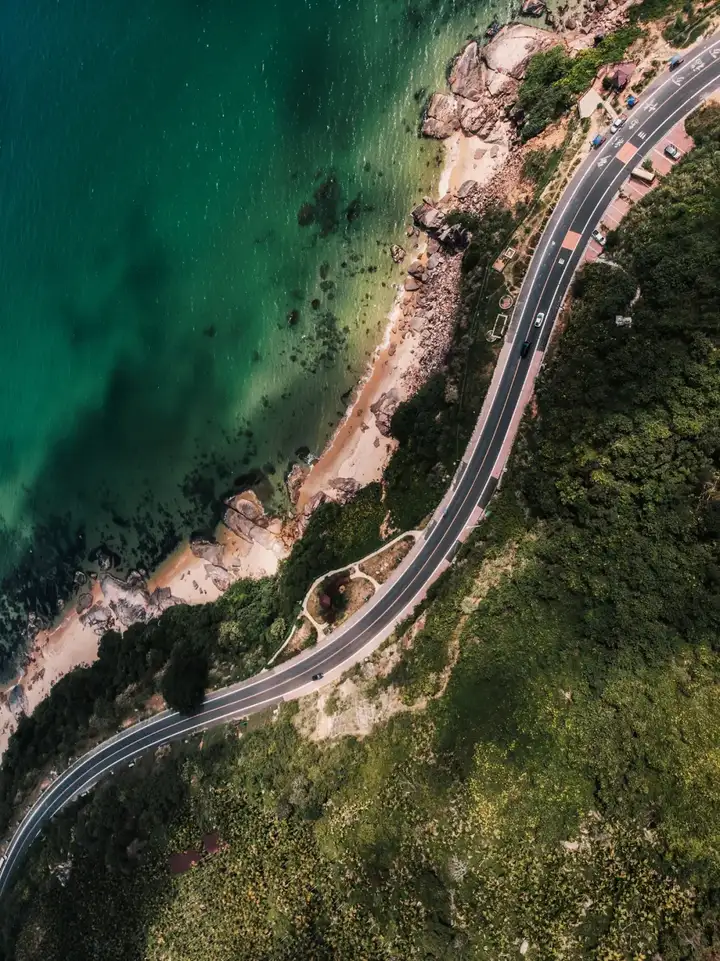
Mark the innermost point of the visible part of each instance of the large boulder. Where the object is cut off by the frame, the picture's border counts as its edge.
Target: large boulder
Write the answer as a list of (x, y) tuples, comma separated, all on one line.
[(428, 216), (477, 117), (343, 489), (383, 409), (244, 516), (442, 117), (207, 549), (512, 48), (220, 577), (502, 86), (467, 74)]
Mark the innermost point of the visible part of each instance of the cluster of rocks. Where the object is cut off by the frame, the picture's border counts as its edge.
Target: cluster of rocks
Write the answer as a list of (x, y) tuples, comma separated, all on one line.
[(428, 306), (124, 602), (484, 81), (339, 490), (596, 17)]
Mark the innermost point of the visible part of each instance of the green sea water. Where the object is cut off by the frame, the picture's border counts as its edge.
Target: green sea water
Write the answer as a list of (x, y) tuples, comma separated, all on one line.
[(196, 203)]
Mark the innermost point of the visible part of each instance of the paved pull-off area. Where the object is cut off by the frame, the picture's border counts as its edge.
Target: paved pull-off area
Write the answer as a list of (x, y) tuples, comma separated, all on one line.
[(559, 252)]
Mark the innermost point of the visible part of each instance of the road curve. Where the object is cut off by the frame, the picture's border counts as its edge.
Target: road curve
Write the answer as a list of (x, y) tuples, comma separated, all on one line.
[(558, 254)]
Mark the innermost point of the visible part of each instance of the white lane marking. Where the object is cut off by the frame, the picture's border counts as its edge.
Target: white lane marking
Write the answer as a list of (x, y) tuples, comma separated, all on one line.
[(132, 732)]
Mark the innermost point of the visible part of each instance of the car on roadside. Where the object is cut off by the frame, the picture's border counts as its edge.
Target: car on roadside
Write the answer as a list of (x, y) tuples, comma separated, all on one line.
[(318, 677), (597, 141), (675, 62), (617, 124), (631, 101), (599, 236), (539, 319), (671, 151)]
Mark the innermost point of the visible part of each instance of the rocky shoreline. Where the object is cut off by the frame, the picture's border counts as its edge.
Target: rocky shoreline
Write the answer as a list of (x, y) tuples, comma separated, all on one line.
[(474, 118)]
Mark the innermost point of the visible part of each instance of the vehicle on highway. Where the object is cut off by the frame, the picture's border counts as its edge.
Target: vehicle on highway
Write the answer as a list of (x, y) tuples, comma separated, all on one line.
[(598, 141), (617, 124), (539, 319), (672, 151), (318, 677), (642, 174), (631, 101), (525, 349), (598, 235), (675, 62)]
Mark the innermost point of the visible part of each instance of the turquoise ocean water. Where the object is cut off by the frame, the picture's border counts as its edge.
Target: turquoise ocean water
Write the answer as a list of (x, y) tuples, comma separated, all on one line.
[(196, 203)]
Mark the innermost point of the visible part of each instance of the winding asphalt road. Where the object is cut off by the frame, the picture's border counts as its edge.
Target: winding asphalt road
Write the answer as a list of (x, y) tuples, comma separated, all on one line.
[(560, 250)]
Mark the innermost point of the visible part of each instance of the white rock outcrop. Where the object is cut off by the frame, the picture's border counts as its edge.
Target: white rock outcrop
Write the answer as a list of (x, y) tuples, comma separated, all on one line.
[(512, 48)]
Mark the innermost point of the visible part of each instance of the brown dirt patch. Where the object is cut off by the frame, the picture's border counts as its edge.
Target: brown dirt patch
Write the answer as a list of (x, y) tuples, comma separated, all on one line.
[(382, 565)]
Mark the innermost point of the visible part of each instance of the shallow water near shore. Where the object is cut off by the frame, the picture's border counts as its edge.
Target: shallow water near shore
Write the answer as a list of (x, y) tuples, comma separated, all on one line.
[(197, 200)]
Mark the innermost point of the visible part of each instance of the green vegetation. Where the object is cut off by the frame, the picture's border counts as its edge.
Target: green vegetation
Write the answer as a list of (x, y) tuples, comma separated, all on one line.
[(539, 166), (554, 80), (558, 796), (186, 676), (335, 536), (434, 426)]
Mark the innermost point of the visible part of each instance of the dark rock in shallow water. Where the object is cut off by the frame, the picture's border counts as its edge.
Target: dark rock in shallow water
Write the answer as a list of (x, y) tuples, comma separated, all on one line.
[(325, 212), (306, 215), (252, 478), (103, 557)]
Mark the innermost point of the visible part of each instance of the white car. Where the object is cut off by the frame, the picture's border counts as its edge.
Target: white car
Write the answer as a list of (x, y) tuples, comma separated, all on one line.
[(672, 151), (539, 319), (617, 124), (600, 237)]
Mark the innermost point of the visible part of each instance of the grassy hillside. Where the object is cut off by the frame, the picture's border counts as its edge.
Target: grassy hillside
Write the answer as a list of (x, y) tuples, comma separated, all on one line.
[(558, 796)]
